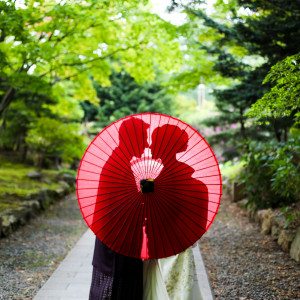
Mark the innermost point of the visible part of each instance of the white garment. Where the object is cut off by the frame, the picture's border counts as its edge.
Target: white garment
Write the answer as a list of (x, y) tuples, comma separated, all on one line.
[(171, 278)]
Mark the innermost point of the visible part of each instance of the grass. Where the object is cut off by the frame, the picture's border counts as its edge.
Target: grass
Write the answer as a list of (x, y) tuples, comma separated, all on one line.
[(15, 185)]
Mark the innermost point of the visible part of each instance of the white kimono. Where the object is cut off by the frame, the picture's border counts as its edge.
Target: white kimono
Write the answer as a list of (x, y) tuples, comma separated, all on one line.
[(171, 278)]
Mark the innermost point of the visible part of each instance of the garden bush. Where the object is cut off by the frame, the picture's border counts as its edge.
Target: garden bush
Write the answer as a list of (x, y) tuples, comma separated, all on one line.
[(271, 173)]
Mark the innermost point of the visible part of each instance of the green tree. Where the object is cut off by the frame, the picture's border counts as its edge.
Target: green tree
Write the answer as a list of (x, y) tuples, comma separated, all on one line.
[(125, 96), (16, 122), (45, 43), (283, 99), (51, 138), (250, 36)]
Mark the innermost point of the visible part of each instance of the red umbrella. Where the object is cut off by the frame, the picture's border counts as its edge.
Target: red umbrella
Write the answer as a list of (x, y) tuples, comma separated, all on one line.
[(149, 186)]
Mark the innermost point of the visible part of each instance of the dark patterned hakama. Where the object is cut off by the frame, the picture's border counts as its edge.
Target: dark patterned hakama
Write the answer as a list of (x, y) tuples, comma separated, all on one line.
[(115, 276)]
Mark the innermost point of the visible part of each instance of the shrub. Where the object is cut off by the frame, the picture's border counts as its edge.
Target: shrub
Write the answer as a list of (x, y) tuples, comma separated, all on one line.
[(271, 173)]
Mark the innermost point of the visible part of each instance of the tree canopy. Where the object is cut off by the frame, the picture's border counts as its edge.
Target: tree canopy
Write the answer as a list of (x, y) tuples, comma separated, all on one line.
[(284, 98), (244, 38), (45, 43)]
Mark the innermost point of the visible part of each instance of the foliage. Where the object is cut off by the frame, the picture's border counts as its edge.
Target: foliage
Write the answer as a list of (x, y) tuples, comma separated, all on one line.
[(68, 171), (231, 169), (37, 44), (242, 39), (51, 53), (50, 137), (284, 98), (291, 217), (125, 96), (271, 173), (187, 109), (25, 109)]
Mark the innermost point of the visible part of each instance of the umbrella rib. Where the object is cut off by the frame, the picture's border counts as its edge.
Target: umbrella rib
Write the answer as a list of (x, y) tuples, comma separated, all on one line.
[(105, 175), (178, 151), (152, 204), (167, 167), (184, 234), (107, 187), (126, 178), (158, 127), (127, 168), (155, 163), (187, 166), (102, 194), (120, 249), (178, 189), (97, 202), (175, 126), (140, 154), (183, 131), (163, 225), (192, 184), (166, 209), (183, 162), (134, 233), (144, 159), (201, 139), (197, 198), (125, 144), (120, 148), (127, 165), (109, 211), (147, 165), (131, 144), (190, 211), (159, 179), (149, 220), (94, 203), (116, 214), (106, 162)]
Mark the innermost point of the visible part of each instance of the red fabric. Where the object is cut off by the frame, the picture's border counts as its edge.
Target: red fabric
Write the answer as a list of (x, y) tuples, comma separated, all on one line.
[(187, 186)]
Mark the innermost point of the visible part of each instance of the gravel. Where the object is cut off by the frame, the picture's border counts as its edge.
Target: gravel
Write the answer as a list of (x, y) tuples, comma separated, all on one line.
[(30, 255), (244, 264)]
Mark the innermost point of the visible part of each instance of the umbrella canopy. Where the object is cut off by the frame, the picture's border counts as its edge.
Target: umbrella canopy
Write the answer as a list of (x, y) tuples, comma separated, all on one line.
[(149, 186)]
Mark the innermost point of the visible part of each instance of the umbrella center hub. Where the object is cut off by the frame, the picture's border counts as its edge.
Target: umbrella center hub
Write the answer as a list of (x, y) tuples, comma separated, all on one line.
[(147, 186)]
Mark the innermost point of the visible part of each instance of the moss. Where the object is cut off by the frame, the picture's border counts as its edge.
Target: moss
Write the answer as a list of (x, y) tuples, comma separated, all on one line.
[(67, 171), (15, 185)]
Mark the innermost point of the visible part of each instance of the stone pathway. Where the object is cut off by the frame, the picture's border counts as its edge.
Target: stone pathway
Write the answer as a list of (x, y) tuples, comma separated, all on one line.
[(72, 278)]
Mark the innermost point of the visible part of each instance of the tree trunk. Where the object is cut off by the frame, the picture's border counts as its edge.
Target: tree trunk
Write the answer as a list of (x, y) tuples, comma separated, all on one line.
[(24, 153), (243, 129), (285, 134), (40, 161), (6, 100), (58, 163), (276, 131)]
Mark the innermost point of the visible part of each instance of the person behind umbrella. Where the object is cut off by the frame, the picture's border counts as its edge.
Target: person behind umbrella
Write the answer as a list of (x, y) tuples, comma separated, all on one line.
[(116, 276), (174, 277)]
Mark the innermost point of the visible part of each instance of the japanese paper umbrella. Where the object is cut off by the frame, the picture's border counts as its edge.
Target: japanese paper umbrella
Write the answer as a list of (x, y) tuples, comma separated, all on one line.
[(149, 186)]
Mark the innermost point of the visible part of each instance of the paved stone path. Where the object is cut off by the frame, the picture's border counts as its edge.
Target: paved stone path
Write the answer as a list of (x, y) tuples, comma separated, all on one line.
[(72, 278)]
